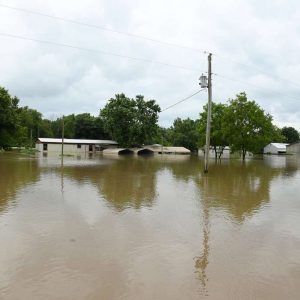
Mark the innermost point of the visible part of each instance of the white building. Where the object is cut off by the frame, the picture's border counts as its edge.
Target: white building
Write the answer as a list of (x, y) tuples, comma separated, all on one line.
[(72, 146), (275, 148), (293, 148)]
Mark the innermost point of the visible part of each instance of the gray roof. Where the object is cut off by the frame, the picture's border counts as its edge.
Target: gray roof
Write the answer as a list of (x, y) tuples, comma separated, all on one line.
[(279, 145), (77, 141)]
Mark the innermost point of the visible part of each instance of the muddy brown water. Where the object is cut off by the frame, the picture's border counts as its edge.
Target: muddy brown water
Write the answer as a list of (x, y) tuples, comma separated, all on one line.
[(149, 228)]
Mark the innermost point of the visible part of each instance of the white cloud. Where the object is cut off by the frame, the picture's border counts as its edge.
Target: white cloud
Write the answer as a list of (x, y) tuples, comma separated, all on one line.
[(57, 80)]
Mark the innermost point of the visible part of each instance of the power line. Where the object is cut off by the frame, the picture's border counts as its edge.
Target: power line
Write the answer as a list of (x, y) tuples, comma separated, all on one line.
[(102, 28), (130, 57), (229, 59), (254, 86), (182, 100), (97, 51), (144, 38)]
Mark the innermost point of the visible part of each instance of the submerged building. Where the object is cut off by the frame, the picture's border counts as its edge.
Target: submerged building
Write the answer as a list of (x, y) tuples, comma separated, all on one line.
[(159, 149), (73, 145), (293, 148), (275, 148)]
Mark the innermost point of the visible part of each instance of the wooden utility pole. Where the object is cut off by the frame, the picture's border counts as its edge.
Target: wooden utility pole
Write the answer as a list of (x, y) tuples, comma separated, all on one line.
[(207, 143), (62, 137)]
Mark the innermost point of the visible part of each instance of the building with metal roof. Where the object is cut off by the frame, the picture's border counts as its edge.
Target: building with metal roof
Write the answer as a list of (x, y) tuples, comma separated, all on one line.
[(275, 148), (73, 145)]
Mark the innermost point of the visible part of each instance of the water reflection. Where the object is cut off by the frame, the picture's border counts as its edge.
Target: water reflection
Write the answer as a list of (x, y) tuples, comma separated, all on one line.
[(124, 182), (202, 261), (89, 235), (240, 188), (15, 172)]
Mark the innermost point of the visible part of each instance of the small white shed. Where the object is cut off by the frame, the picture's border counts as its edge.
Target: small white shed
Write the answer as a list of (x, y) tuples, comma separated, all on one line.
[(275, 148)]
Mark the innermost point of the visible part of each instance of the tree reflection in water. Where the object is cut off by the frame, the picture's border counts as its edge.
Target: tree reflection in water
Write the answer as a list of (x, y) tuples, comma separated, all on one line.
[(15, 172), (239, 188), (123, 182)]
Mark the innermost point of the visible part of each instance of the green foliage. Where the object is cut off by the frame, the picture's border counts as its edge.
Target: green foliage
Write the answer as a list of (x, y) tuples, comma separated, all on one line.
[(217, 136), (130, 121), (81, 126), (246, 126), (89, 127), (45, 129), (8, 118), (277, 137), (69, 126), (164, 136), (290, 134), (242, 124), (185, 133), (30, 121)]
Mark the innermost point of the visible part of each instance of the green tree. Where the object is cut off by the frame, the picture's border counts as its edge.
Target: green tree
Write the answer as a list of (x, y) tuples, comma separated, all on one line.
[(185, 133), (278, 137), (217, 138), (45, 129), (69, 126), (246, 126), (8, 118), (164, 136), (89, 127), (291, 135), (30, 122), (130, 121), (145, 123)]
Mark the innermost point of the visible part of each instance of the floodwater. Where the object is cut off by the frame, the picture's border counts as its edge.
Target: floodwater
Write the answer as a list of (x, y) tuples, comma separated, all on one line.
[(149, 228)]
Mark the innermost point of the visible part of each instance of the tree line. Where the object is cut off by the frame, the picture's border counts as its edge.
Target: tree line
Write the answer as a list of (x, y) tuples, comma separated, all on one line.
[(240, 124)]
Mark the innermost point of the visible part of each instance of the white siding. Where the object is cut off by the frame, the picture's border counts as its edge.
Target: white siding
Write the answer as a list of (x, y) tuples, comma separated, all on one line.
[(275, 148), (39, 147), (68, 149), (270, 149), (293, 149)]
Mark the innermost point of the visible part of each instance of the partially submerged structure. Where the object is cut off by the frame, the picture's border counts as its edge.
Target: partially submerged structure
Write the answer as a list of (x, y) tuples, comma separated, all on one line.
[(77, 146), (143, 151), (118, 151), (222, 152), (275, 148), (293, 148), (148, 150), (159, 149), (80, 146)]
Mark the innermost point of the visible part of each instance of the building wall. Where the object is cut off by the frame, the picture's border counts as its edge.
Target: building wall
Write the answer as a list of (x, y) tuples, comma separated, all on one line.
[(39, 147), (226, 153), (68, 148), (72, 148), (293, 149), (270, 149)]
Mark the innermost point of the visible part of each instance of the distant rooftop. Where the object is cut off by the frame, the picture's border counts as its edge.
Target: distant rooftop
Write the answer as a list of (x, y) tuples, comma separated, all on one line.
[(77, 141), (279, 145)]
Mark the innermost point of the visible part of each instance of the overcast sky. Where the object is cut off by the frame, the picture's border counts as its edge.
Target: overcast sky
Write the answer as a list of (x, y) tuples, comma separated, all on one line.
[(256, 46)]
